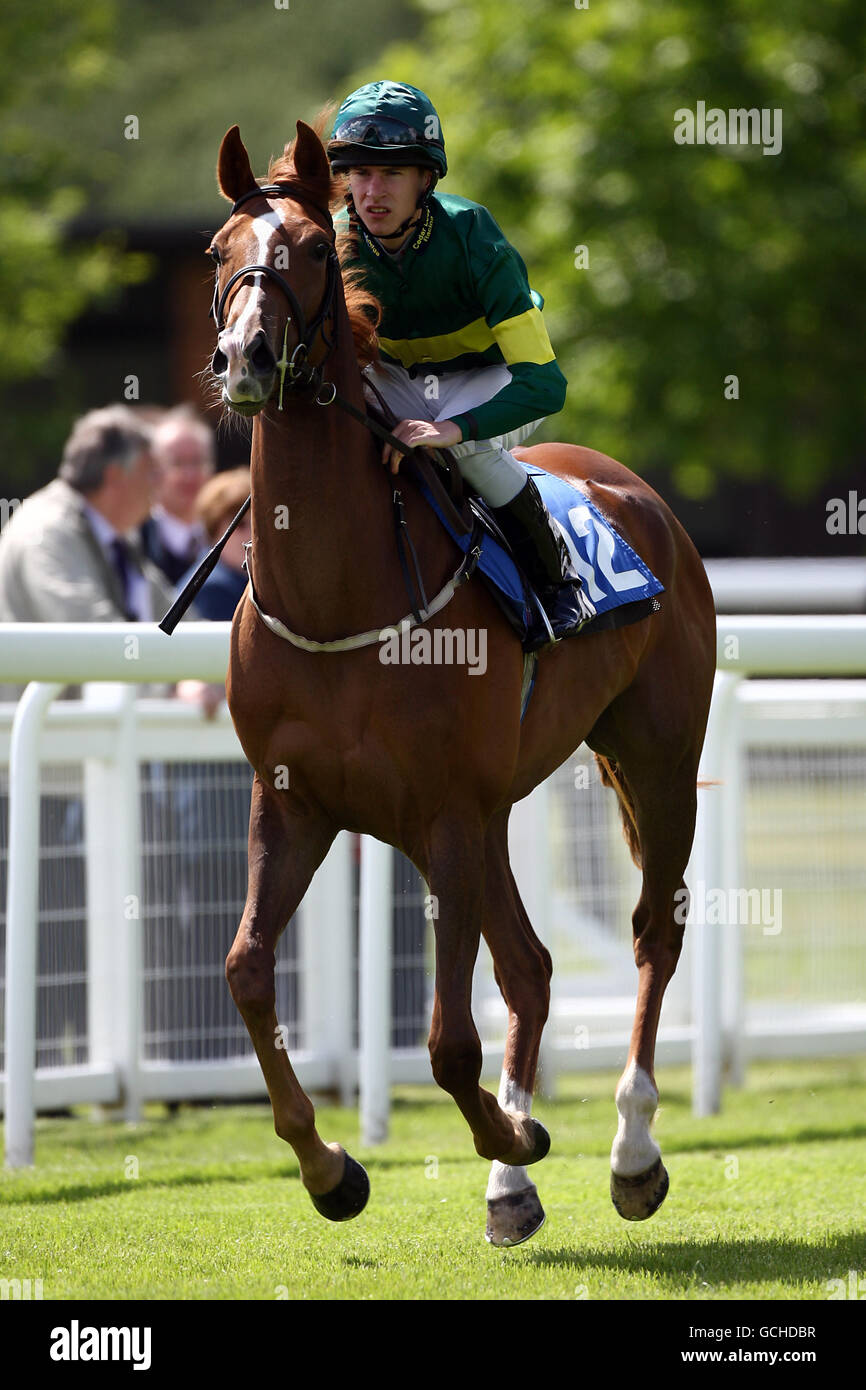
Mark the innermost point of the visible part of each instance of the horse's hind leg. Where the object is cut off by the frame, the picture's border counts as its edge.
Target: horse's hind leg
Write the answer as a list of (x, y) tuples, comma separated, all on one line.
[(284, 852), (522, 967), (660, 801)]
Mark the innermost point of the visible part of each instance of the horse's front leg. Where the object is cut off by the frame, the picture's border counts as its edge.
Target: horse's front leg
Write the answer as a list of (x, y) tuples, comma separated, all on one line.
[(522, 967), (284, 852), (456, 876)]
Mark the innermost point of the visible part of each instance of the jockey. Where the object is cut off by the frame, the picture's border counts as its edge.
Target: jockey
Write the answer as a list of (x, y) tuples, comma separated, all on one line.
[(466, 361)]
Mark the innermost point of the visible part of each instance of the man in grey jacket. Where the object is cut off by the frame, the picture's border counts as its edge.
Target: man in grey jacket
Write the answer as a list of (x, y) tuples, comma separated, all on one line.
[(69, 552)]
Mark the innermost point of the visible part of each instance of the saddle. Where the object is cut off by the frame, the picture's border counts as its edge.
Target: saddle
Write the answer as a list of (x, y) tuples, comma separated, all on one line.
[(460, 509)]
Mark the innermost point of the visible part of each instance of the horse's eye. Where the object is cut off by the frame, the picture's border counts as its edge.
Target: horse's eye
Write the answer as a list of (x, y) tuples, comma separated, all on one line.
[(214, 254), (320, 250)]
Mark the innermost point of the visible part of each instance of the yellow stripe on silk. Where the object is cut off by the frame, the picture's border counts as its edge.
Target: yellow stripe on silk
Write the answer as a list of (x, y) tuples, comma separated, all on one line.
[(473, 337), (524, 338), (520, 339)]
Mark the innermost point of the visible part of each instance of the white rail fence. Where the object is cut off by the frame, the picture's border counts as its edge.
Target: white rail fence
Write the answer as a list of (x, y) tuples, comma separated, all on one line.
[(117, 747)]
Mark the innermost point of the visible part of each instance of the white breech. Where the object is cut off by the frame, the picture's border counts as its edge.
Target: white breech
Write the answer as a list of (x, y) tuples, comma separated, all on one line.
[(486, 464)]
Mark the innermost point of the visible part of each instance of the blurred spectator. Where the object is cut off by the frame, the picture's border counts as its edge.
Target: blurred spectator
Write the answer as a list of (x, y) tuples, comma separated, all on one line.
[(211, 804), (219, 502), (173, 536), (70, 552)]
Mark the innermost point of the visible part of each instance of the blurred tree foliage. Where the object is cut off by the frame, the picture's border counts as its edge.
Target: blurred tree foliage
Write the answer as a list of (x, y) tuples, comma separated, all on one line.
[(111, 115), (704, 261), (48, 72), (188, 71)]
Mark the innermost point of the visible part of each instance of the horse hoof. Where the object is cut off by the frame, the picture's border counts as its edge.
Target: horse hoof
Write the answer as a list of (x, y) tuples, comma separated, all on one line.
[(513, 1219), (348, 1198), (541, 1144), (637, 1198)]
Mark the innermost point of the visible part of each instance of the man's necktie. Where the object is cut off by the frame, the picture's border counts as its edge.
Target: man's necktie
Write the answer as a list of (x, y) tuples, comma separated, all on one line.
[(120, 555)]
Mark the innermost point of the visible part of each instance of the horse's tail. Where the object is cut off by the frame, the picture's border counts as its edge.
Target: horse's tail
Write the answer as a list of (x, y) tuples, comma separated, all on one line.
[(612, 776)]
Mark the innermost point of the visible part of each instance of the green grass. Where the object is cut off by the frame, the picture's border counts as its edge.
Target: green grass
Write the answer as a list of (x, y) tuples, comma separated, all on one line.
[(766, 1202)]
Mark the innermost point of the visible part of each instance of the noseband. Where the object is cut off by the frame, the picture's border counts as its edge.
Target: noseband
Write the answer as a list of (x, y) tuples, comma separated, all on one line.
[(297, 367)]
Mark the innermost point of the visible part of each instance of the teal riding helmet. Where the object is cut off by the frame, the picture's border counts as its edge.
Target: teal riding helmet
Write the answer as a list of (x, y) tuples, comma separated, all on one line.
[(388, 123)]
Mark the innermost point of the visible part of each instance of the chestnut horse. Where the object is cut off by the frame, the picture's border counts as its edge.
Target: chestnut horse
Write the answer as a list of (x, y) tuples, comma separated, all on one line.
[(428, 758)]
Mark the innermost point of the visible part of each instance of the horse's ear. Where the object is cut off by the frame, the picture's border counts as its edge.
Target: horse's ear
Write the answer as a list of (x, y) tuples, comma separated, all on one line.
[(309, 158), (234, 172)]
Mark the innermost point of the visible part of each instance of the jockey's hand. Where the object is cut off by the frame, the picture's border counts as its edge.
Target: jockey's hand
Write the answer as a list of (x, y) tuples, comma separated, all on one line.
[(429, 434)]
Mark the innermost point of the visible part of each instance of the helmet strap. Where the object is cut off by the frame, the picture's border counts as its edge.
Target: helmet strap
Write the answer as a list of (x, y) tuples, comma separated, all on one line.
[(420, 204)]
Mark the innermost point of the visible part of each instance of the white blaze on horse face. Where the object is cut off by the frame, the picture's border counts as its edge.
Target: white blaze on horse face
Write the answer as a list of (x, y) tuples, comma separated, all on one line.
[(634, 1149), (239, 384), (505, 1178)]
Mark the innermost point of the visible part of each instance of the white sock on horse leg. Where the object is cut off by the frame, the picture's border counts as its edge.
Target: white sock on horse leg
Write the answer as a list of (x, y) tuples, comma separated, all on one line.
[(504, 1177), (634, 1149)]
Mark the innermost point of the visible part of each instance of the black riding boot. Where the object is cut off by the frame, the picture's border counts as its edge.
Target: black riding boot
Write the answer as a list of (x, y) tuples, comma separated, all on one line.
[(540, 550)]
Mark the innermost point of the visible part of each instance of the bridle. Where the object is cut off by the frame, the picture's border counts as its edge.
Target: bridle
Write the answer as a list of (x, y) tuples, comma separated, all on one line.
[(297, 367)]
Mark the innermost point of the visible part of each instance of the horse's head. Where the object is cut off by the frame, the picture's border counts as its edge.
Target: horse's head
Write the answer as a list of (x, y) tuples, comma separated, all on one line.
[(276, 270)]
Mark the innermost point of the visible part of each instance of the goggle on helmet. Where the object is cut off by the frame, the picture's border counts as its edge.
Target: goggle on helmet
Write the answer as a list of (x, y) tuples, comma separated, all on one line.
[(377, 139)]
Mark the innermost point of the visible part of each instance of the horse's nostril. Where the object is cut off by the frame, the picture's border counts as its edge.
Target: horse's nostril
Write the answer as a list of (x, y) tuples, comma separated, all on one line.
[(219, 363), (260, 356)]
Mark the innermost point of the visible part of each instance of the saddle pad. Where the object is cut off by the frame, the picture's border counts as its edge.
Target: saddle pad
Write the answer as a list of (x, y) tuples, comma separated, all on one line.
[(613, 574)]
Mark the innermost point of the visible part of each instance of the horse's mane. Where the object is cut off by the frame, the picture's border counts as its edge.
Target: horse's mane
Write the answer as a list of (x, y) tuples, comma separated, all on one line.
[(364, 309)]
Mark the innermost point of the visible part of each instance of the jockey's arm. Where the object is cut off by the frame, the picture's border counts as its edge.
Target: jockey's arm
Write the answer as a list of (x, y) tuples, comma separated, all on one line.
[(536, 387)]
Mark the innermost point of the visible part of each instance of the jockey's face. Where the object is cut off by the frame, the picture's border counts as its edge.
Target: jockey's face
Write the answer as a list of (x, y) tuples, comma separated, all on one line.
[(384, 197)]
